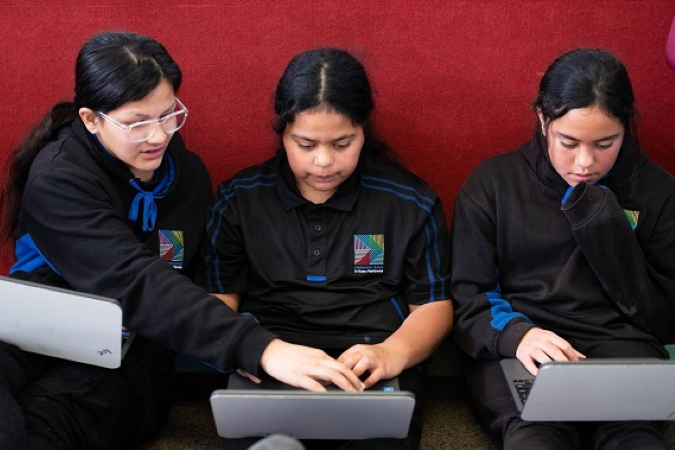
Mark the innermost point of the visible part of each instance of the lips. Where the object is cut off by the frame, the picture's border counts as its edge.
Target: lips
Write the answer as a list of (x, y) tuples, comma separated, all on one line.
[(583, 176), (153, 153), (324, 179)]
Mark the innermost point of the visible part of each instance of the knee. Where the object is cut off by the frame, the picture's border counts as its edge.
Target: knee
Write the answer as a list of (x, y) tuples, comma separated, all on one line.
[(549, 435)]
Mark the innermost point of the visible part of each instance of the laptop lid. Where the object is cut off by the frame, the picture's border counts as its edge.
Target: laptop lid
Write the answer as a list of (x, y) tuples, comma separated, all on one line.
[(596, 389), (249, 410), (62, 323)]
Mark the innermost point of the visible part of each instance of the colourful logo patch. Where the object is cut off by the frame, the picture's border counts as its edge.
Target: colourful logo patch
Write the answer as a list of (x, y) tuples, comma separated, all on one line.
[(632, 217), (368, 253), (172, 247)]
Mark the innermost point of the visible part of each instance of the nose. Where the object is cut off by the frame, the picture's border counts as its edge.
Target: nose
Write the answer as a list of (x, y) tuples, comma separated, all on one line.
[(323, 157), (158, 136), (585, 156)]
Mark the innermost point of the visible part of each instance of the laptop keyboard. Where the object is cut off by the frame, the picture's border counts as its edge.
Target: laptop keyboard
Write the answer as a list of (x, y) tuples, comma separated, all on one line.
[(523, 387)]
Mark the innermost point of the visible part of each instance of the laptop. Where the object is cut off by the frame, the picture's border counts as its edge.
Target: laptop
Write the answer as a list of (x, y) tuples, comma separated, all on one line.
[(62, 323), (247, 409), (595, 389)]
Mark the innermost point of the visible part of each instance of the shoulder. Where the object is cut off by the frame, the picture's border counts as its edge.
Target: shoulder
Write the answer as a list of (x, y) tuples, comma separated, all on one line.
[(500, 164), (652, 174), (496, 171), (655, 184), (65, 156), (382, 176), (258, 176)]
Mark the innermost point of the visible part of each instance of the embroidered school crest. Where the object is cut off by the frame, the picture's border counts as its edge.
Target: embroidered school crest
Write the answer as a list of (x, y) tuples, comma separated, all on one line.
[(369, 253), (172, 247), (632, 217)]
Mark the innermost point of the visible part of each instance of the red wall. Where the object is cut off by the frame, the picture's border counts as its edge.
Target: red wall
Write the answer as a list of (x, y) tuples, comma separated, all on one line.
[(454, 79)]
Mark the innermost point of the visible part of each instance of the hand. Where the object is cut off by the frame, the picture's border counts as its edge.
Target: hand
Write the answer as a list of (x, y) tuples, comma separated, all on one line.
[(306, 367), (245, 374), (539, 346), (379, 359)]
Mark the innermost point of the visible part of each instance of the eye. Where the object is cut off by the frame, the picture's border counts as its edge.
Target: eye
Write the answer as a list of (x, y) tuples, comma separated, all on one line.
[(305, 146), (568, 144), (342, 145), (604, 145)]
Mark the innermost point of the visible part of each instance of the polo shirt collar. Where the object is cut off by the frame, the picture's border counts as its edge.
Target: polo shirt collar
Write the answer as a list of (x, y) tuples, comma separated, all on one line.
[(342, 200)]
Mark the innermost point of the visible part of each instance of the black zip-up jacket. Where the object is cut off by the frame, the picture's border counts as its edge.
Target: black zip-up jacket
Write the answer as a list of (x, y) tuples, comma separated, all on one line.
[(523, 259), (75, 209)]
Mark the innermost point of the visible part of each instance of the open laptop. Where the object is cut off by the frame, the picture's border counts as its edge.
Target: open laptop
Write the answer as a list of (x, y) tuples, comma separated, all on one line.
[(247, 409), (594, 389), (62, 323)]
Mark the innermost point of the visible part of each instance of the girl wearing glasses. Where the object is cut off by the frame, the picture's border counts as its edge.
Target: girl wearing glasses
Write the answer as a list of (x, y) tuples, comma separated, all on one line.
[(102, 197)]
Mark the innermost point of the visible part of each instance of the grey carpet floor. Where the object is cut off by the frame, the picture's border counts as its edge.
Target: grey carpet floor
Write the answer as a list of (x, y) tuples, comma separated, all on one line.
[(449, 423)]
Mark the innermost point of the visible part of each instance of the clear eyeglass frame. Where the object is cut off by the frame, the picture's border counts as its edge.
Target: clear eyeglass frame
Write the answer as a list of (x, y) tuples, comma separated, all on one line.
[(147, 128)]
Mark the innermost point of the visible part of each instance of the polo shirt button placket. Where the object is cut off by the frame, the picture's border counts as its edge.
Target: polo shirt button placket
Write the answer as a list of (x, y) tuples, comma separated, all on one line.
[(316, 249)]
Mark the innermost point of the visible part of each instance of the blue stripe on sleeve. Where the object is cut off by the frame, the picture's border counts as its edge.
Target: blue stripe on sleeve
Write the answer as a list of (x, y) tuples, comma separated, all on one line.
[(398, 308), (420, 201), (29, 258), (501, 310), (217, 212)]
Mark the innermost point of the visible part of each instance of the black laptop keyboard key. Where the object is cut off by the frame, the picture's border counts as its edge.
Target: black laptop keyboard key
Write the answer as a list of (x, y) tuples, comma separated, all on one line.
[(523, 388)]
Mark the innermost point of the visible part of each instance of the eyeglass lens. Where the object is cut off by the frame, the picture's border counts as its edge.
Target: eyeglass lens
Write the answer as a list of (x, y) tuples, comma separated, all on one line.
[(143, 132)]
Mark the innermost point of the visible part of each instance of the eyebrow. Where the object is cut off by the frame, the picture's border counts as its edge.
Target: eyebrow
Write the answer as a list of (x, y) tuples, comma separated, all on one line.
[(168, 110), (341, 138), (572, 138)]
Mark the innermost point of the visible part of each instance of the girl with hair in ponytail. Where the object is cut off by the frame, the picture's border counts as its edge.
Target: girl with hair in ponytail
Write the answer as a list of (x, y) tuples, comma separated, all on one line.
[(330, 244), (564, 249), (104, 198)]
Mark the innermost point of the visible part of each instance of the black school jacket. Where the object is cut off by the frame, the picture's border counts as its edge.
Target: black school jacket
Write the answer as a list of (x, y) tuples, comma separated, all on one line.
[(521, 259), (75, 219)]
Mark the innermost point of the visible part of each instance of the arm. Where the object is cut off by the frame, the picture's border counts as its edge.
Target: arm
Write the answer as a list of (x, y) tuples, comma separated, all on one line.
[(415, 341), (639, 281), (486, 325), (227, 272), (231, 300), (423, 283), (79, 224), (298, 365)]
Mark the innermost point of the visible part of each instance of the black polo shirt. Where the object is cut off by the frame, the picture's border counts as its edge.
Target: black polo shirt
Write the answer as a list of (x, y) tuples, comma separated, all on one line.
[(335, 274)]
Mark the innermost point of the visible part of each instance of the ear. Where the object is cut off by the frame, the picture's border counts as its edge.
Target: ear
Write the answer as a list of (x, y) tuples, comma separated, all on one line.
[(542, 121), (90, 119)]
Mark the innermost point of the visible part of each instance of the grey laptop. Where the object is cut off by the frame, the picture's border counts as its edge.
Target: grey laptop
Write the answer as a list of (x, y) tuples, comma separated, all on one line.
[(594, 389), (62, 323), (246, 409)]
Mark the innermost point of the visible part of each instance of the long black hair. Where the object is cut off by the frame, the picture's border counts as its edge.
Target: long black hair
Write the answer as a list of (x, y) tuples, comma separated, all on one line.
[(112, 68), (328, 78)]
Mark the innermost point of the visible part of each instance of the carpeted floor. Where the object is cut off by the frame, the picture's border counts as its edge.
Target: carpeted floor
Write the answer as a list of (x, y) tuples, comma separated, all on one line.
[(449, 423)]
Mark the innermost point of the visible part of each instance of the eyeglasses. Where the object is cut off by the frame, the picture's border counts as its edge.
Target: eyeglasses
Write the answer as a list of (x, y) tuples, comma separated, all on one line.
[(142, 131)]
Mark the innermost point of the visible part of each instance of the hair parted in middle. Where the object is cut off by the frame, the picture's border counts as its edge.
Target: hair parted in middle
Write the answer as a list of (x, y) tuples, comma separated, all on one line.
[(330, 79), (583, 78)]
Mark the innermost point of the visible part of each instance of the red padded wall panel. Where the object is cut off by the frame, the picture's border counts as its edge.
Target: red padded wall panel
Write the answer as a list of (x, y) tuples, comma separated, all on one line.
[(454, 79)]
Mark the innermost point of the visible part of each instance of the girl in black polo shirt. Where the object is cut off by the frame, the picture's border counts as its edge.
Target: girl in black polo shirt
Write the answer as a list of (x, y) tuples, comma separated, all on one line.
[(329, 244)]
